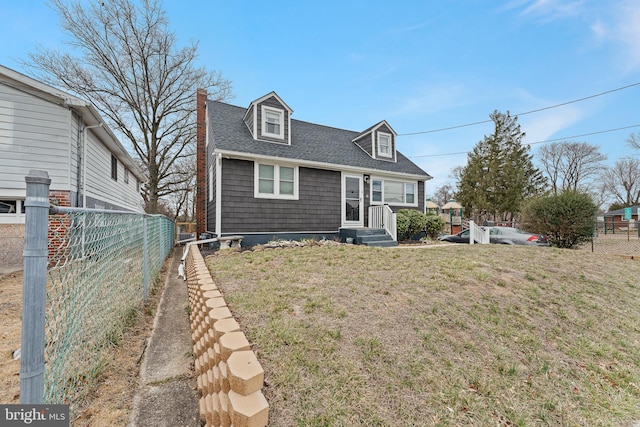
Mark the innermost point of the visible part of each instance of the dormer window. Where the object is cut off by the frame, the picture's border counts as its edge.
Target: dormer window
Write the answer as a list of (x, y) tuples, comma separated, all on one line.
[(384, 145), (272, 122), (269, 119)]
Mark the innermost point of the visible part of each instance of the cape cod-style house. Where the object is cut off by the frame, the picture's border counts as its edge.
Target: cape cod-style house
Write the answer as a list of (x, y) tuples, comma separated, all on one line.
[(264, 175)]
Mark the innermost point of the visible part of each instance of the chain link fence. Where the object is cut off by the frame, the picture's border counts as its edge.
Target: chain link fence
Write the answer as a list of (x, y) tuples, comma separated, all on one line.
[(615, 238), (99, 269)]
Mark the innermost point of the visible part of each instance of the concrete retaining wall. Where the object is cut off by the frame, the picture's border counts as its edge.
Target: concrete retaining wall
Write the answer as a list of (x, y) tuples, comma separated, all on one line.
[(230, 378)]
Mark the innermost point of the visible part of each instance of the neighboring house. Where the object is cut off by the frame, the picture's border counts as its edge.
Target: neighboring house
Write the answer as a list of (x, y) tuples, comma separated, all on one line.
[(616, 219), (264, 175), (44, 128)]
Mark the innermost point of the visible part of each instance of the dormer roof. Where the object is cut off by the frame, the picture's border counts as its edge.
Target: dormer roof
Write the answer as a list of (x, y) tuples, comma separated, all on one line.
[(379, 141), (277, 98), (269, 119)]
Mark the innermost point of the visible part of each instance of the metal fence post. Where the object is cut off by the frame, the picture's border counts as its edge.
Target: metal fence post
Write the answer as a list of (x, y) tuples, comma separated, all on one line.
[(145, 260), (34, 287)]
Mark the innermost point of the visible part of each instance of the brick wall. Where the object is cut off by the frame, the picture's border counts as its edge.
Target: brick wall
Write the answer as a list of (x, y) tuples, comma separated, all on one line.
[(201, 161), (230, 378), (58, 226), (12, 235)]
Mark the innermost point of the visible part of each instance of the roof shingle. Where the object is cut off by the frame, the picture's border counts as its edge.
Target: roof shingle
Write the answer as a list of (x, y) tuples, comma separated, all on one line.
[(309, 142)]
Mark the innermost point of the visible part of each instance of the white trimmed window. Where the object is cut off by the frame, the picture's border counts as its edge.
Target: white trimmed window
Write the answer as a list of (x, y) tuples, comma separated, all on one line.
[(275, 181), (114, 168), (272, 122), (9, 206), (384, 145), (11, 211), (393, 192)]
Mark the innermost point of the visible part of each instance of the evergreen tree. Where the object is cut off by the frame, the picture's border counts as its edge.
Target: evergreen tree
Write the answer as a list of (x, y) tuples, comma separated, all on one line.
[(499, 174)]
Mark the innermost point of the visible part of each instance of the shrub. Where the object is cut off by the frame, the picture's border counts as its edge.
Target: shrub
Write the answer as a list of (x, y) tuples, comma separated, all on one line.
[(411, 222), (402, 224), (434, 224), (568, 219)]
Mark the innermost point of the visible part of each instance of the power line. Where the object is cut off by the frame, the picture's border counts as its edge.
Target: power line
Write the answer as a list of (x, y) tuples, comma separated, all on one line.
[(537, 142), (526, 112), (584, 134)]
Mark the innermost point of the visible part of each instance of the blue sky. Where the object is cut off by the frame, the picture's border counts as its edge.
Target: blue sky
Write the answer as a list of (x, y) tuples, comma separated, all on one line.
[(420, 65)]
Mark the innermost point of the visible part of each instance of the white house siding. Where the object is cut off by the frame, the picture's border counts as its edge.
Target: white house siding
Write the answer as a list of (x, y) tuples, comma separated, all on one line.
[(111, 194), (34, 134), (42, 128)]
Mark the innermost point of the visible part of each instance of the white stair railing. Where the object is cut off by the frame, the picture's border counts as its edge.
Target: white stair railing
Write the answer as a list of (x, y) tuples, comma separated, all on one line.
[(381, 216), (478, 234)]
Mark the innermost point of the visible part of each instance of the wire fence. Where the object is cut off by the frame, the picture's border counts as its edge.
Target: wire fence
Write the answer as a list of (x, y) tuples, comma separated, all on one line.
[(97, 280), (615, 238), (100, 267)]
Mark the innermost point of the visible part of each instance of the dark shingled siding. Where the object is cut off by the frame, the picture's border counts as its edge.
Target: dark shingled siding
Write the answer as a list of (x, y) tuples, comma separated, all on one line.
[(365, 143), (249, 119), (318, 207)]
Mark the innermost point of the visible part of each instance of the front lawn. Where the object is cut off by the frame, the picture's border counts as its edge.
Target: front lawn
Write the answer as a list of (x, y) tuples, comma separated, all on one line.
[(450, 335)]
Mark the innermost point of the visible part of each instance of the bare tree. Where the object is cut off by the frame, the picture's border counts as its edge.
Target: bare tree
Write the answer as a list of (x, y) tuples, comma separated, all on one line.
[(570, 165), (183, 196), (443, 194), (634, 140), (128, 64), (622, 182)]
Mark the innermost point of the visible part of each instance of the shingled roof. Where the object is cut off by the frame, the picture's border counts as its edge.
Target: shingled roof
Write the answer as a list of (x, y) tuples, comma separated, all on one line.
[(309, 142)]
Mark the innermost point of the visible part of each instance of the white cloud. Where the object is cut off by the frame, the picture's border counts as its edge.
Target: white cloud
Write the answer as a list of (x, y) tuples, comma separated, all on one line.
[(549, 10), (599, 29), (626, 31), (615, 22), (549, 125)]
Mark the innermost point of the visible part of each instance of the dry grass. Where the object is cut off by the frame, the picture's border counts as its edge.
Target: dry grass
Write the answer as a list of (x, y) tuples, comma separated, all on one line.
[(450, 335), (110, 402)]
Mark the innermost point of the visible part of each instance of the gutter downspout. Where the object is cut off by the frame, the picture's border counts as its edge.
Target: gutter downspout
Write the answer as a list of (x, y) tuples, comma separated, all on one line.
[(84, 162)]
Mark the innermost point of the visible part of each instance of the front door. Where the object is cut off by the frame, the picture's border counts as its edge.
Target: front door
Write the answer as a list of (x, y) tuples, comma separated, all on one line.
[(352, 206)]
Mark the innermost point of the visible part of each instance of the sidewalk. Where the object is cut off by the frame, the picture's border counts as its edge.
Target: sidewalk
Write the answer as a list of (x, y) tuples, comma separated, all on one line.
[(167, 396)]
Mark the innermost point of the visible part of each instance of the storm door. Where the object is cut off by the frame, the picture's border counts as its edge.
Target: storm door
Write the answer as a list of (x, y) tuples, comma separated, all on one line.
[(352, 206)]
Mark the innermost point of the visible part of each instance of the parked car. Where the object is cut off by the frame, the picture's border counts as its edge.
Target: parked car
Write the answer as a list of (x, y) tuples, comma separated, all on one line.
[(501, 235), (461, 237)]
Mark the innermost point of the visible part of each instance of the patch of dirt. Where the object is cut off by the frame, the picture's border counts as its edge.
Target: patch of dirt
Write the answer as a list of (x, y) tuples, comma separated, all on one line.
[(110, 403), (10, 319)]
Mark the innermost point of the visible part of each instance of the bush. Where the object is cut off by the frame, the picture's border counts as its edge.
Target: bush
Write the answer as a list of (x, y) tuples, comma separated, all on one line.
[(568, 219), (411, 222), (434, 225), (402, 224)]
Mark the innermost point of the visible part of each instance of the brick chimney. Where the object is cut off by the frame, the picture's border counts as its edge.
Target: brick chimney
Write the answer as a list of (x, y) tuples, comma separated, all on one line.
[(201, 162)]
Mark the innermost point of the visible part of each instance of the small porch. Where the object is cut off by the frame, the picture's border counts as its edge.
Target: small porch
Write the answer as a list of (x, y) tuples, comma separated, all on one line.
[(381, 230), (367, 236)]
